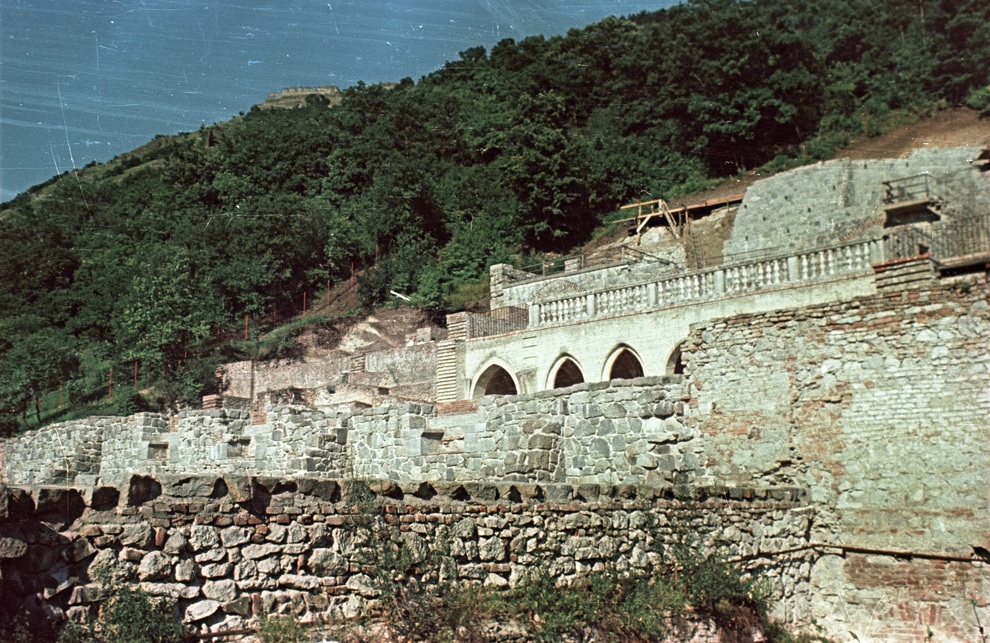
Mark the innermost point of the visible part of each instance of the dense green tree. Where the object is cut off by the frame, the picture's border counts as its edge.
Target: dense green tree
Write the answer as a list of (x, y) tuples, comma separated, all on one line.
[(162, 311), (33, 365)]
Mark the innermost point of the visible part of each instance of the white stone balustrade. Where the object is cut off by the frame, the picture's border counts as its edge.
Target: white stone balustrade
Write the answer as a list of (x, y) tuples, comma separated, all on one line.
[(817, 265)]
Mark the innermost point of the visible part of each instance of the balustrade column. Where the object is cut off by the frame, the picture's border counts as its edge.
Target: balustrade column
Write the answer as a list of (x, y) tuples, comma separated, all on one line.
[(793, 268)]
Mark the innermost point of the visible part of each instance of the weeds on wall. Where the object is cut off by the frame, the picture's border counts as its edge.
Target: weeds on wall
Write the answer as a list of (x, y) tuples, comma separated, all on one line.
[(418, 595), (127, 615), (281, 629)]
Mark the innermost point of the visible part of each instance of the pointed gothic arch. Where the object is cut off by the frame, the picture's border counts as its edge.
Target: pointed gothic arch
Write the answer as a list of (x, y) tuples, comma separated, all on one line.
[(622, 364), (675, 365), (565, 372), (495, 380)]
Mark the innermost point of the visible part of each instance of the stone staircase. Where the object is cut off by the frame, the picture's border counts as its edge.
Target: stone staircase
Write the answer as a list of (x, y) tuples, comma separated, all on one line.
[(446, 379)]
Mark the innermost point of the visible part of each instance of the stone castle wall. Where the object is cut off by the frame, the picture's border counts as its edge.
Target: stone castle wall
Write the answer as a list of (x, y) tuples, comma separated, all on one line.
[(871, 413), (230, 548), (405, 372)]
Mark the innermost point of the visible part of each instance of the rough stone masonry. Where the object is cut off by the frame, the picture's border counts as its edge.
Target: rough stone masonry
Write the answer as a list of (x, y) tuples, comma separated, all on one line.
[(854, 433), (227, 548)]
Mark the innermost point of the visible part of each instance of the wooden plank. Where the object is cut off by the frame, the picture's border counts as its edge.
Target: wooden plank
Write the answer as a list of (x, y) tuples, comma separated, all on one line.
[(670, 219), (659, 206)]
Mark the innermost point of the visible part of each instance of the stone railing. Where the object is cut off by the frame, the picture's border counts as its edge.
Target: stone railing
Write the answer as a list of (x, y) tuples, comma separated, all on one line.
[(583, 261), (689, 288)]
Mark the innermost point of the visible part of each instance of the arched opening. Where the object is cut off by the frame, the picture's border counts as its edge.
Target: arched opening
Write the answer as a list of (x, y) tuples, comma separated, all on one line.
[(568, 373), (495, 380), (675, 365), (625, 366)]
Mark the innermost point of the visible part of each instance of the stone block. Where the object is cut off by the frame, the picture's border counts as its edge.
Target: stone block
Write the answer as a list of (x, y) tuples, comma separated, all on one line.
[(79, 549), (221, 590), (202, 538), (201, 610), (176, 544), (139, 535), (557, 492), (215, 570), (239, 606), (154, 566), (11, 547), (239, 488)]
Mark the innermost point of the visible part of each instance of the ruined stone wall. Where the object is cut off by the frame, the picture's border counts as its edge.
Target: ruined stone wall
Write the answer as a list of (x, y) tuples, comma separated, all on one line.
[(611, 432), (881, 406), (876, 407), (405, 372), (228, 548), (59, 453), (283, 374)]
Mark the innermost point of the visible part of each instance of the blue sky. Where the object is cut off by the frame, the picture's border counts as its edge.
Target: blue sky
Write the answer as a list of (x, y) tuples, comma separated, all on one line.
[(84, 80)]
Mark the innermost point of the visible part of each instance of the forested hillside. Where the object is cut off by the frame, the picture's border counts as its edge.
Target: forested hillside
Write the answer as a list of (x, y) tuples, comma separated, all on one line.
[(417, 187)]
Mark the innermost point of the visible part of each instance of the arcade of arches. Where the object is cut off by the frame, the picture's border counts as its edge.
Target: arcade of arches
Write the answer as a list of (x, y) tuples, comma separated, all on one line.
[(622, 364)]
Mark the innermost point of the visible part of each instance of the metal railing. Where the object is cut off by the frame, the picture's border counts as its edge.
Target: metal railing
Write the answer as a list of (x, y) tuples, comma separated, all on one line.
[(908, 188), (959, 239), (497, 322)]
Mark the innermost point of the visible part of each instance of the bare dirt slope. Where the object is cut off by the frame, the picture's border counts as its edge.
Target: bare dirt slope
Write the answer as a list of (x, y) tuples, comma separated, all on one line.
[(951, 128)]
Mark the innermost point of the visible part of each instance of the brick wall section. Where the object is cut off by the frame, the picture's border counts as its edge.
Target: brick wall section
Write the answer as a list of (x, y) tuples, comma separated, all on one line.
[(457, 407), (882, 407), (226, 548)]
